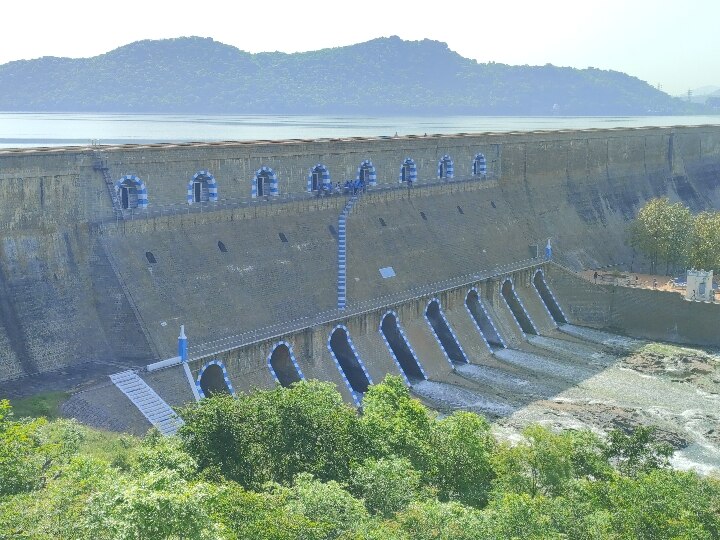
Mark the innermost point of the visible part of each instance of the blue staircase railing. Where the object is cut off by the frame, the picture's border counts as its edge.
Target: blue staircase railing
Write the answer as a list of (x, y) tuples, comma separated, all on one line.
[(342, 252)]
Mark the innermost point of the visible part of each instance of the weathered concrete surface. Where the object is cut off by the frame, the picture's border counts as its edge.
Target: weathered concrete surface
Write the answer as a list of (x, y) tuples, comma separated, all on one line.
[(645, 313), (534, 306), (375, 356), (468, 335), (65, 302)]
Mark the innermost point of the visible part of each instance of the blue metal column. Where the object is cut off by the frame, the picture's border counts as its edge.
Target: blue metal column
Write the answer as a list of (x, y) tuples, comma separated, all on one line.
[(182, 344)]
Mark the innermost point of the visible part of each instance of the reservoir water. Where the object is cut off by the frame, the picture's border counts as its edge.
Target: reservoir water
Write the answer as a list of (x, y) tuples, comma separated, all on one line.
[(18, 130)]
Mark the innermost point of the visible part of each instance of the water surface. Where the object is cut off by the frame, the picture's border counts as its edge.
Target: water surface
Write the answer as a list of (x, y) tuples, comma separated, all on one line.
[(64, 129)]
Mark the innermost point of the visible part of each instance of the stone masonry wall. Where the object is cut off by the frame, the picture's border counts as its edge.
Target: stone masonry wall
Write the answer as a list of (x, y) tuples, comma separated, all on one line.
[(77, 287)]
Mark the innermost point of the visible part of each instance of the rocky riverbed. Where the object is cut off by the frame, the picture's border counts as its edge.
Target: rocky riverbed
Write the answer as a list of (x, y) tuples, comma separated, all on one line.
[(674, 388)]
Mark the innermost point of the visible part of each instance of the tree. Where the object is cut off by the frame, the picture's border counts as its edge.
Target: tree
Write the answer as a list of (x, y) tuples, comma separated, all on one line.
[(539, 465), (518, 515), (242, 514), (462, 449), (158, 453), (434, 520), (662, 231), (273, 435), (546, 463), (638, 451), (395, 424), (387, 485), (659, 505), (59, 508), (326, 504), (705, 247), (24, 457), (158, 505)]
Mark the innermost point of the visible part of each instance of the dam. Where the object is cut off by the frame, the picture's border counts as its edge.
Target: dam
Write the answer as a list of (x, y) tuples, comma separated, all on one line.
[(342, 260)]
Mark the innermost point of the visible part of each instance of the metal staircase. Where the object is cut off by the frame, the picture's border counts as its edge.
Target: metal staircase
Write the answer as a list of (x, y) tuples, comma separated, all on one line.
[(100, 165), (342, 253), (153, 407)]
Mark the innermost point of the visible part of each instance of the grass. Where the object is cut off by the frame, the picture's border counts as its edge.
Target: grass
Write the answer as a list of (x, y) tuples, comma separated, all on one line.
[(115, 448), (666, 349), (46, 404)]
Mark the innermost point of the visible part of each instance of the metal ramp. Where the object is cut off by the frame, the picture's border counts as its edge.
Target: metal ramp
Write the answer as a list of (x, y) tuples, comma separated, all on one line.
[(151, 405)]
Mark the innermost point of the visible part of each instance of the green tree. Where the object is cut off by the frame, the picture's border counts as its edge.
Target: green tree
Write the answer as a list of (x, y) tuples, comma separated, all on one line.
[(660, 505), (24, 456), (539, 465), (546, 463), (158, 453), (462, 450), (395, 424), (242, 514), (158, 505), (327, 504), (638, 451), (662, 232), (434, 520), (273, 435), (387, 485), (59, 509), (705, 248), (518, 515)]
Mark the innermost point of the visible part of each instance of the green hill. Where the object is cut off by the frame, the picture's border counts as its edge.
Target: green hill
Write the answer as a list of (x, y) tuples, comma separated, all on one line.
[(382, 76)]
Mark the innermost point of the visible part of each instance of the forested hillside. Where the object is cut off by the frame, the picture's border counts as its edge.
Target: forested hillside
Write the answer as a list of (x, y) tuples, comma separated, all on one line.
[(382, 76)]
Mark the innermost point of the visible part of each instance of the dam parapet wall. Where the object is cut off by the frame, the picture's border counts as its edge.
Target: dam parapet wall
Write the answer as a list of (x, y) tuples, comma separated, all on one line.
[(61, 186)]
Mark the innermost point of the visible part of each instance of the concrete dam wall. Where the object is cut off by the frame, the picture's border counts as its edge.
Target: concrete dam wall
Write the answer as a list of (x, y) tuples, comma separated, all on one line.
[(84, 283)]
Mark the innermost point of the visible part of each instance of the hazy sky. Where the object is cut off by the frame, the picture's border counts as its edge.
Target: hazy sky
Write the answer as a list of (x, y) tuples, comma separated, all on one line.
[(673, 43)]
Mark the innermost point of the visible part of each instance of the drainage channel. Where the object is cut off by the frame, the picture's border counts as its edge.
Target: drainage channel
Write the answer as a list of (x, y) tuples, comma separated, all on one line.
[(544, 366), (502, 380), (453, 397)]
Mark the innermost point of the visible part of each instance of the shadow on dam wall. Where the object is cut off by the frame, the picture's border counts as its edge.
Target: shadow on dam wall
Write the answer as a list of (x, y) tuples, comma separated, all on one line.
[(548, 298), (70, 305), (400, 348), (283, 366), (444, 334), (348, 361), (517, 309), (485, 326)]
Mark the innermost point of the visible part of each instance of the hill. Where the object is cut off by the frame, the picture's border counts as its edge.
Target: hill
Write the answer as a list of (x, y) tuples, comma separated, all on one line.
[(382, 76)]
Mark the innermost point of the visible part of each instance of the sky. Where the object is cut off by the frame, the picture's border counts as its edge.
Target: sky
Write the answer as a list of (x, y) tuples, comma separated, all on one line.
[(671, 43)]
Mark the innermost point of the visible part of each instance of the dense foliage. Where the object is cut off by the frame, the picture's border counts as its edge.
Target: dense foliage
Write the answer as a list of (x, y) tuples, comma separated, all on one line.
[(670, 234), (382, 76), (299, 464)]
